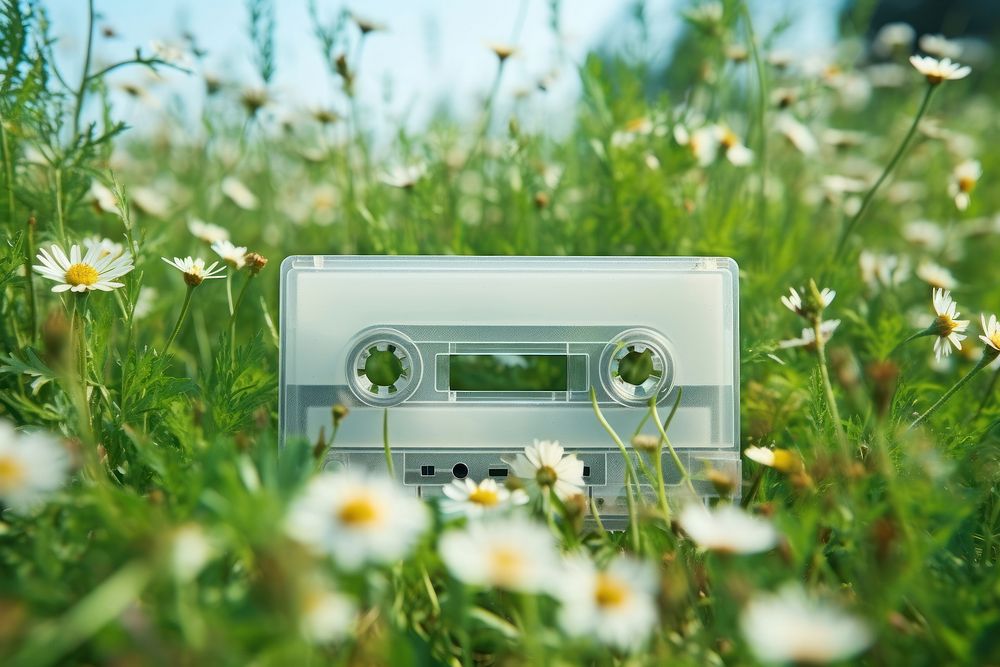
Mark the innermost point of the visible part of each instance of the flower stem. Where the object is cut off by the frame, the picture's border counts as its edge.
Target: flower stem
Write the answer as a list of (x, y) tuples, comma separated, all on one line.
[(630, 476), (988, 356), (29, 254), (78, 326), (385, 444), (180, 319), (849, 227), (664, 440), (824, 372), (930, 331), (235, 310)]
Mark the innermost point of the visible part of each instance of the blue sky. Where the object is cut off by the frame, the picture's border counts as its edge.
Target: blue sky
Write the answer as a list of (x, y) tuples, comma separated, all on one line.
[(433, 49)]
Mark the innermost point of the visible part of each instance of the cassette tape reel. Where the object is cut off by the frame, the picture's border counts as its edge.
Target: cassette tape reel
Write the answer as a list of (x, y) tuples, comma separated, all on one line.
[(473, 358)]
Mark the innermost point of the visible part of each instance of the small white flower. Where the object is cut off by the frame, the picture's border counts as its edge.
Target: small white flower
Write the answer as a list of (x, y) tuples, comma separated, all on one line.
[(239, 193), (940, 46), (925, 234), (32, 467), (793, 301), (78, 272), (404, 176), (707, 142), (104, 246), (808, 338), (234, 256), (514, 554), (150, 202), (789, 627), (194, 270), (543, 466), (937, 71), (615, 606), (948, 328), (325, 615), (190, 551), (991, 331), (784, 460), (893, 38), (936, 275), (797, 134), (878, 270), (206, 231), (103, 199), (964, 179), (727, 529), (473, 500), (171, 53), (356, 519)]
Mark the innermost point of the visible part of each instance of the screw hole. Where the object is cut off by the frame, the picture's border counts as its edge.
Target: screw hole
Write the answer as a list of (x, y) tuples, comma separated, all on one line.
[(460, 471)]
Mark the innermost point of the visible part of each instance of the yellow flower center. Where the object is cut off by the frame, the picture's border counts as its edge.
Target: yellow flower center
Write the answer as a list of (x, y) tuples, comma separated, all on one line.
[(506, 567), (484, 497), (966, 183), (786, 460), (609, 592), (945, 325), (358, 512), (729, 139), (12, 473), (546, 476), (81, 274)]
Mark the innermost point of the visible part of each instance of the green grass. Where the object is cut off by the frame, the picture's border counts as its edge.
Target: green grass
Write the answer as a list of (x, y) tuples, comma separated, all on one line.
[(898, 526)]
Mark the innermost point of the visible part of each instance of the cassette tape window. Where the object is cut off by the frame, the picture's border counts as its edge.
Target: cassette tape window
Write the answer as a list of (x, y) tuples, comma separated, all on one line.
[(474, 357)]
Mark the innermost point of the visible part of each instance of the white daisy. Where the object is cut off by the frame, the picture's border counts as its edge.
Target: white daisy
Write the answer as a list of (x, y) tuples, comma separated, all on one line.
[(102, 198), (206, 231), (797, 134), (789, 627), (894, 38), (190, 551), (194, 270), (473, 500), (514, 554), (325, 615), (937, 71), (940, 46), (32, 467), (616, 605), (543, 466), (964, 179), (404, 176), (794, 303), (880, 270), (356, 518), (239, 193), (104, 246), (926, 234), (727, 529), (171, 53), (234, 256), (991, 332), (936, 275), (784, 460), (150, 202), (808, 338), (78, 272), (946, 326)]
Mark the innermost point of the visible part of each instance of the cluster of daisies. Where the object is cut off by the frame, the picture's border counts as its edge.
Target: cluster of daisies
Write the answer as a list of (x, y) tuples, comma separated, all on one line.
[(490, 542)]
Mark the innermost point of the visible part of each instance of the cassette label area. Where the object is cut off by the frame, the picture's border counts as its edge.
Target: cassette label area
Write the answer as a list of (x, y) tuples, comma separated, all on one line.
[(474, 357)]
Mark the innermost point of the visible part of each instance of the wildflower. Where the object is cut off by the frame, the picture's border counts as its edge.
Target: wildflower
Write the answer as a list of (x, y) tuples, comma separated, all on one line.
[(356, 518), (171, 54), (103, 199), (325, 615), (808, 338), (473, 500), (366, 25), (254, 99), (964, 179), (706, 142), (614, 605), (32, 467), (104, 246), (737, 53), (936, 275), (206, 231), (937, 71), (926, 234), (991, 332), (883, 270), (78, 272), (797, 134), (727, 529), (502, 51), (194, 270), (789, 627), (404, 176), (150, 202), (544, 466), (190, 551), (783, 460), (239, 193), (794, 302), (255, 262), (894, 38), (234, 256), (940, 46), (514, 554), (946, 327)]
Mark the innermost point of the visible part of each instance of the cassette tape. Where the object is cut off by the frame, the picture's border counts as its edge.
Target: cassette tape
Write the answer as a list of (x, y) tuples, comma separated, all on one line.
[(469, 359)]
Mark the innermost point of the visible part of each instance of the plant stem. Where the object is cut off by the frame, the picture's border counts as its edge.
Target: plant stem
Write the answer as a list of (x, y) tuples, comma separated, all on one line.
[(664, 440), (236, 308), (923, 332), (180, 319), (85, 77), (849, 227), (78, 326), (385, 444), (988, 356), (989, 392), (29, 254), (630, 476), (824, 372)]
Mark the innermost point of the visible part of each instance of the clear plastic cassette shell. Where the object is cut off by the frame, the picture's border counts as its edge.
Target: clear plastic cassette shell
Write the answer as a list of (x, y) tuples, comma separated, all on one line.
[(475, 357)]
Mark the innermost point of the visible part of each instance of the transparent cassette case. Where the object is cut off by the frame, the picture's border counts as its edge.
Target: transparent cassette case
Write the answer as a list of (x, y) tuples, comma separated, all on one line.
[(475, 357)]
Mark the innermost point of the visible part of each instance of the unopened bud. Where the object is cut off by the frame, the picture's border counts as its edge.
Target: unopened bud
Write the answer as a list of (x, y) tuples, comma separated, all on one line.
[(255, 262), (339, 411), (645, 442)]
